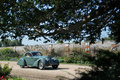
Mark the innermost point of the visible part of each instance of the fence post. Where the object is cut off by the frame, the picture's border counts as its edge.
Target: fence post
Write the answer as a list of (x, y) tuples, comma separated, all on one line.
[(50, 48), (67, 49), (113, 47), (87, 48)]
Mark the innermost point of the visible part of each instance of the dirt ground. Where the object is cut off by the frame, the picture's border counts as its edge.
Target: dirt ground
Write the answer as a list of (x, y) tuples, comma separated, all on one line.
[(30, 73)]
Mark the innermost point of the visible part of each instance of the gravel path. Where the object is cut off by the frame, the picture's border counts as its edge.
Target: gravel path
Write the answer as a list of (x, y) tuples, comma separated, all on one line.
[(31, 73)]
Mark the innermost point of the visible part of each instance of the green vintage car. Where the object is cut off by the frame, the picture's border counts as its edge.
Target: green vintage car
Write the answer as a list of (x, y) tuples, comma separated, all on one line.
[(36, 59)]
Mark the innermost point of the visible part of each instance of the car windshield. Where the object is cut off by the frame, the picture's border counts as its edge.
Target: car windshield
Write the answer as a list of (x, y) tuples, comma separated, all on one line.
[(37, 54)]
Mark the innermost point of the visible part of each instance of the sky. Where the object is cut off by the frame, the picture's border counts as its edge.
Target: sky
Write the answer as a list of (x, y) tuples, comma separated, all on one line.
[(33, 42)]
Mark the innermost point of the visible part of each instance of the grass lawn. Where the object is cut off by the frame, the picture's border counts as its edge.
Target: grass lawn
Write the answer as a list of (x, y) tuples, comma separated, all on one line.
[(16, 78)]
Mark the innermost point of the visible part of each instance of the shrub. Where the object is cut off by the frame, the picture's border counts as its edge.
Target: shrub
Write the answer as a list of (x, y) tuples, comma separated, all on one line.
[(107, 66), (5, 71), (7, 54), (68, 59), (13, 59), (77, 57), (61, 60)]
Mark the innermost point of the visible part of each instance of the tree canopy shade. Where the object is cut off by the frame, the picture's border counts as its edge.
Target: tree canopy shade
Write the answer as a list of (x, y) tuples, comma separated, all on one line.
[(60, 19)]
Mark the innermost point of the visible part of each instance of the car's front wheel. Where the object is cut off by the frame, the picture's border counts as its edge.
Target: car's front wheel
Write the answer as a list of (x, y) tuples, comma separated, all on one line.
[(54, 66), (41, 65)]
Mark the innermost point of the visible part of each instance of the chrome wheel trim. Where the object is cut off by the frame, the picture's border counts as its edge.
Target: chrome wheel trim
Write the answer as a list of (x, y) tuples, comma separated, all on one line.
[(41, 65)]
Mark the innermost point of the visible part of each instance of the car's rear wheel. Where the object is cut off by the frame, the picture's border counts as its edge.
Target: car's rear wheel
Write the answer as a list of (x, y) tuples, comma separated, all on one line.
[(22, 66), (54, 66), (41, 65)]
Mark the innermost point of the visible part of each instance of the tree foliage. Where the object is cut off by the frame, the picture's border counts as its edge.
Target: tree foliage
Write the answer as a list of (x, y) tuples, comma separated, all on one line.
[(60, 41), (59, 19), (8, 42), (107, 38)]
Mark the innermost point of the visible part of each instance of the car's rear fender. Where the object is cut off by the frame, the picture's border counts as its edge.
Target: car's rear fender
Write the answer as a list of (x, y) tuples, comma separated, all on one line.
[(21, 62)]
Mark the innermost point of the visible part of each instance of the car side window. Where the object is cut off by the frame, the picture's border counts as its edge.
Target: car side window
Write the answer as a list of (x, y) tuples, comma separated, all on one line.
[(28, 55)]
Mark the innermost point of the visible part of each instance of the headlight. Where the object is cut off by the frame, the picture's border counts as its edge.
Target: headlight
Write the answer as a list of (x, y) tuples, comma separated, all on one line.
[(54, 58), (47, 59)]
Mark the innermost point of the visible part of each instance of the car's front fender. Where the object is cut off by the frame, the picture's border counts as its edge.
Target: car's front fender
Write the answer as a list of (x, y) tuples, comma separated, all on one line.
[(37, 61), (55, 61)]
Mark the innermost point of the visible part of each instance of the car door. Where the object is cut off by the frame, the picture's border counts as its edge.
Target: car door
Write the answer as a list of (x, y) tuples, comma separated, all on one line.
[(29, 59)]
